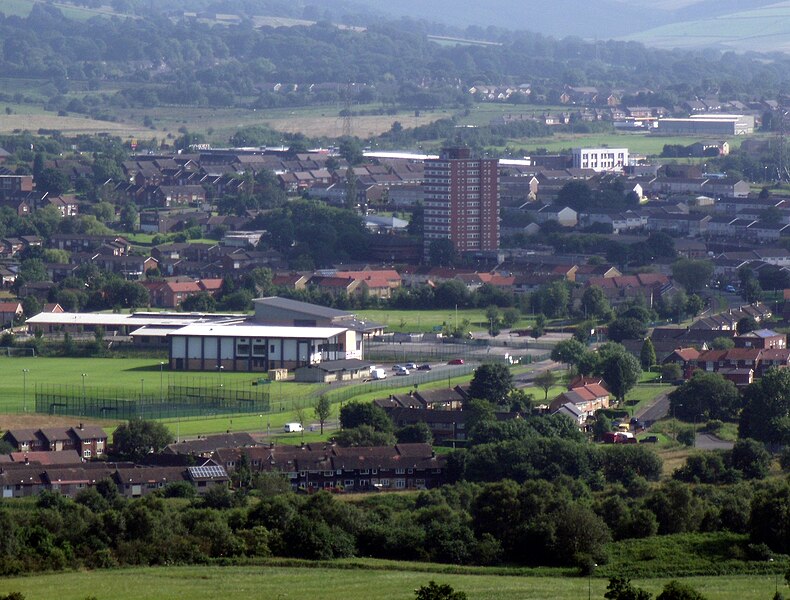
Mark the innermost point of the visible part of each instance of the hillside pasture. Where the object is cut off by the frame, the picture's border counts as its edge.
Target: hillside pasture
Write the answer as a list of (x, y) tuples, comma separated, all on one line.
[(361, 580)]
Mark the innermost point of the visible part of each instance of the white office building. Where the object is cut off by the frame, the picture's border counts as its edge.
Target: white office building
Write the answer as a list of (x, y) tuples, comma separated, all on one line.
[(600, 159)]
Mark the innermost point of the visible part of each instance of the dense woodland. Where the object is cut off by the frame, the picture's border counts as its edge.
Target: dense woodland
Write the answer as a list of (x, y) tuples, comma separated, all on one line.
[(156, 60)]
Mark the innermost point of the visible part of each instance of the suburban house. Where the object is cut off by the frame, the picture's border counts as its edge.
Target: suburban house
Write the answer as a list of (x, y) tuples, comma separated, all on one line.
[(761, 338), (585, 398), (88, 441), (10, 312), (205, 445)]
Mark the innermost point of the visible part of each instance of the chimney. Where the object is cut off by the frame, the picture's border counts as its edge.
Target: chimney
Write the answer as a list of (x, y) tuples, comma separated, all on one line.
[(27, 460), (81, 426)]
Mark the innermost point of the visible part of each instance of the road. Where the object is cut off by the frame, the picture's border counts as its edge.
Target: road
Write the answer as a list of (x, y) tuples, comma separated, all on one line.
[(706, 441), (658, 409)]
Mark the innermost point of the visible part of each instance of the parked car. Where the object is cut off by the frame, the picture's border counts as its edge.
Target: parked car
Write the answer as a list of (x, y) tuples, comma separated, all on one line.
[(730, 288), (292, 427), (397, 367), (649, 439), (425, 367), (402, 371), (410, 365), (456, 361)]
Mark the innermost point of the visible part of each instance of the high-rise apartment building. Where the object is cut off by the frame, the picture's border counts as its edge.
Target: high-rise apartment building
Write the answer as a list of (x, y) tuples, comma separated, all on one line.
[(461, 201)]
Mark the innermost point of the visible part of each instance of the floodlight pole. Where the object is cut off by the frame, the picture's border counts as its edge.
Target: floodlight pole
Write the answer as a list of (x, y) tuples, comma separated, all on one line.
[(84, 375), (161, 382), (24, 389)]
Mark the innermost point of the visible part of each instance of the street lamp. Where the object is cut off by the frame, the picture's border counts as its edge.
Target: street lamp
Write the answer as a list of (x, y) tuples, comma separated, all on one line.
[(24, 389), (142, 383), (589, 581), (84, 375), (776, 579)]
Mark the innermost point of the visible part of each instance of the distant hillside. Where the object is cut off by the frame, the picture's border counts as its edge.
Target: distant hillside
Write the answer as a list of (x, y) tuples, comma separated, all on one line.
[(599, 19), (764, 29)]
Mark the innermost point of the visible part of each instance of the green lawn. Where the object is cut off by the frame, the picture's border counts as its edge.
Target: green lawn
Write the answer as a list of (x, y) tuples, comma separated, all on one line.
[(642, 394), (360, 583), (427, 320)]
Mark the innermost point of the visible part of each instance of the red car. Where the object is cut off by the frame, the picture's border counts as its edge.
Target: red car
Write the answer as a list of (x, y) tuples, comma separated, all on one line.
[(456, 361)]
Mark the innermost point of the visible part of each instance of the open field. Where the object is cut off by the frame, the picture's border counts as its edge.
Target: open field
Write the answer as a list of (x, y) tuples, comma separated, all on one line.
[(426, 320), (70, 125), (759, 29), (219, 124), (345, 584)]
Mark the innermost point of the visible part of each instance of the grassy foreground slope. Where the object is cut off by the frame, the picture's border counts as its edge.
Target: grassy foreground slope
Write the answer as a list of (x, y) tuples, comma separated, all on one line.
[(198, 583)]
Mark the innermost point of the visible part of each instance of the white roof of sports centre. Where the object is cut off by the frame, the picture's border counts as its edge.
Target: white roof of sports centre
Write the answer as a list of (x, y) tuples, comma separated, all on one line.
[(257, 331), (117, 319)]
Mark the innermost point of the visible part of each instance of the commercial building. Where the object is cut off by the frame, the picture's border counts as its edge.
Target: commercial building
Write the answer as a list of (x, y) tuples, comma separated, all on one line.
[(600, 159), (283, 334), (712, 124), (461, 201)]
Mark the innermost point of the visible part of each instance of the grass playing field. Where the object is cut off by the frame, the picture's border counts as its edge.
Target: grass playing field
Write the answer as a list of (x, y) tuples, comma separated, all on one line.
[(427, 320), (17, 387), (362, 583)]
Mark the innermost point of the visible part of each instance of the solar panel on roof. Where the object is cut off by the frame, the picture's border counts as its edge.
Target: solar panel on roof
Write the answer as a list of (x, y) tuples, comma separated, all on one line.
[(207, 472)]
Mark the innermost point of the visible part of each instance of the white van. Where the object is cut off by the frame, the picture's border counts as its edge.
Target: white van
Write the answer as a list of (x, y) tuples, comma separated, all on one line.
[(293, 427), (378, 374)]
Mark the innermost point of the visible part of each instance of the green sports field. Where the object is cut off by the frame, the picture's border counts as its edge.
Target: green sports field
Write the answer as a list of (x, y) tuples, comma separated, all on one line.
[(427, 320), (17, 387), (271, 582)]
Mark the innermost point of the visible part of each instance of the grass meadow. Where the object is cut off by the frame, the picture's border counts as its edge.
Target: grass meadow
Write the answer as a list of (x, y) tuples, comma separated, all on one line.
[(362, 580)]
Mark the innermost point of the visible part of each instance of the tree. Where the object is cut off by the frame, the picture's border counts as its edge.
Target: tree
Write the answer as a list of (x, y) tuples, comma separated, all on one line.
[(647, 356), (620, 588), (364, 435), (568, 351), (545, 381), (766, 409), (751, 458), (671, 372), (53, 181), (322, 408), (135, 439), (722, 343), (705, 396), (621, 372), (692, 274), (510, 317), (200, 302), (417, 433), (595, 304), (751, 290), (745, 325), (356, 414), (675, 590), (695, 305), (434, 591), (626, 328), (492, 382), (540, 326), (442, 253)]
